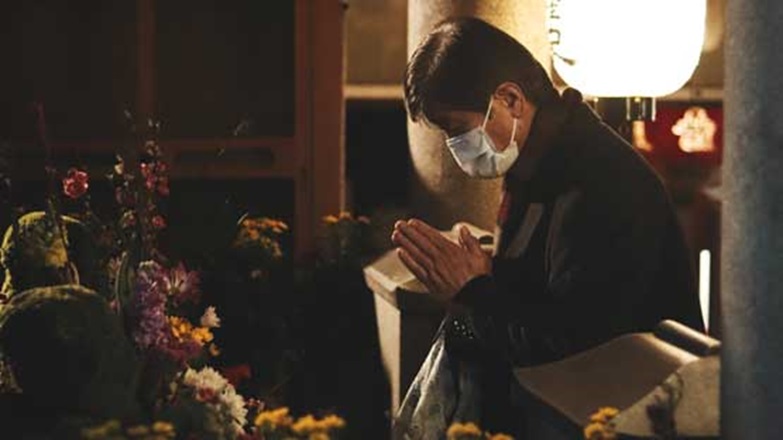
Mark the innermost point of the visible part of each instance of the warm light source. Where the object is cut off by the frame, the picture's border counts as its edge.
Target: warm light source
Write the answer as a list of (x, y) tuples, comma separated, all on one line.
[(626, 48), (704, 286), (696, 131)]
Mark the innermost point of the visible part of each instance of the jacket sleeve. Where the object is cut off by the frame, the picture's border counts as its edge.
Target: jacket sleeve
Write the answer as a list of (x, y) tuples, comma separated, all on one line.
[(602, 252)]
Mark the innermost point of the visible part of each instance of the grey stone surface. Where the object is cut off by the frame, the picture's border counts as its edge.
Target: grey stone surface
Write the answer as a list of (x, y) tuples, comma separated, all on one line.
[(441, 194), (752, 369), (696, 414)]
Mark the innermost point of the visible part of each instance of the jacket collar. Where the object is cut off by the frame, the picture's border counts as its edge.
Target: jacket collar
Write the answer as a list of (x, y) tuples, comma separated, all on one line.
[(546, 128)]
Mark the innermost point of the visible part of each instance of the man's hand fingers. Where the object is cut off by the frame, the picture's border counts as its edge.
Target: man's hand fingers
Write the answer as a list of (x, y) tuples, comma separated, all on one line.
[(440, 242), (414, 266), (420, 240), (413, 250), (470, 242), (434, 282)]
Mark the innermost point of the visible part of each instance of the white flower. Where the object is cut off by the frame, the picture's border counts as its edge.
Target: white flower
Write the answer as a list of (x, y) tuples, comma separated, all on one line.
[(230, 403), (207, 378), (210, 319), (235, 405)]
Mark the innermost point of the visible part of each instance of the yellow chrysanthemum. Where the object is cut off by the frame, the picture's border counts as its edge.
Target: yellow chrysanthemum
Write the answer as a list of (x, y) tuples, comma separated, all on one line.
[(604, 415), (163, 428), (330, 219), (276, 226), (180, 328), (318, 436), (598, 431), (255, 231), (138, 431), (332, 422), (111, 427), (309, 424), (457, 430), (500, 437), (274, 419), (184, 331), (201, 335), (305, 425)]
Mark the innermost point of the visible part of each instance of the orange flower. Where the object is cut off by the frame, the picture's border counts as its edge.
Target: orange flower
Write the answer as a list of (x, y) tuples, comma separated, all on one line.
[(458, 430), (184, 331), (274, 419)]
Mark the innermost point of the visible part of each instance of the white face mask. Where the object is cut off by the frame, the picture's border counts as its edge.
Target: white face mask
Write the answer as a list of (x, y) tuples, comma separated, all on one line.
[(476, 154)]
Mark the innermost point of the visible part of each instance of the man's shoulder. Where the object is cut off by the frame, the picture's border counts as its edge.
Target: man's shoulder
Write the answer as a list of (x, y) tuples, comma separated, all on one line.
[(604, 163)]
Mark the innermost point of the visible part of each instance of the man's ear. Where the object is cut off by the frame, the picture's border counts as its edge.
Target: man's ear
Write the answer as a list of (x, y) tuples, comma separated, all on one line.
[(512, 96)]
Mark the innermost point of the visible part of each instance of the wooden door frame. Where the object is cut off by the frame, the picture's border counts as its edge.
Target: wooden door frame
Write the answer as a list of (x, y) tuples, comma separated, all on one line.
[(315, 157), (320, 184)]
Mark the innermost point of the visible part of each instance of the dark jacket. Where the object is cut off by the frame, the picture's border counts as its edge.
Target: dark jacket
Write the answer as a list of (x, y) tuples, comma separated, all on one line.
[(590, 247)]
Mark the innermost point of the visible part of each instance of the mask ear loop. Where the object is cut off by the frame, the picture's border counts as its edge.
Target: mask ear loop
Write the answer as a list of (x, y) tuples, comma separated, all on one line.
[(486, 117), (513, 132)]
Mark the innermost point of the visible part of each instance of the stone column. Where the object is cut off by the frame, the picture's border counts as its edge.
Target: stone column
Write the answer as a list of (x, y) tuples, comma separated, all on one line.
[(752, 267), (441, 193)]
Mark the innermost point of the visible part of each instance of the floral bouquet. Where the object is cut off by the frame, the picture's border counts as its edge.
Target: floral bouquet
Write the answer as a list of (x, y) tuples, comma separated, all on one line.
[(204, 404), (345, 240), (258, 243), (159, 303), (156, 304)]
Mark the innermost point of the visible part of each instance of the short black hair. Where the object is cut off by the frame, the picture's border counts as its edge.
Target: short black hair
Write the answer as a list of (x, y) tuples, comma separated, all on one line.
[(462, 61)]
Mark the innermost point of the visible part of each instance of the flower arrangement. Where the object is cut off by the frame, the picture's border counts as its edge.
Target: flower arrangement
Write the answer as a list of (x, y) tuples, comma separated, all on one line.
[(345, 239), (157, 303), (156, 326), (222, 411), (471, 431), (258, 240)]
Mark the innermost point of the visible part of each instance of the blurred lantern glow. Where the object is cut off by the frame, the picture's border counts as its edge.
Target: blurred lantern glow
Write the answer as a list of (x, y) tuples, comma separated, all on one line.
[(639, 136), (622, 48)]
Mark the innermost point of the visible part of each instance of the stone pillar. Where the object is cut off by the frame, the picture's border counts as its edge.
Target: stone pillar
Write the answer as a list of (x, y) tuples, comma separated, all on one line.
[(752, 267), (441, 193)]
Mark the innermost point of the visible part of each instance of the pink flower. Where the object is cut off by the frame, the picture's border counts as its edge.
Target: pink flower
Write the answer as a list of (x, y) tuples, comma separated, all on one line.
[(182, 285), (158, 222), (75, 183), (155, 179)]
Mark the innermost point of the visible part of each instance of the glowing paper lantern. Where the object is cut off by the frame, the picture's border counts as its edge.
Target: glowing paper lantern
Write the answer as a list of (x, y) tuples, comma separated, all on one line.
[(625, 48)]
